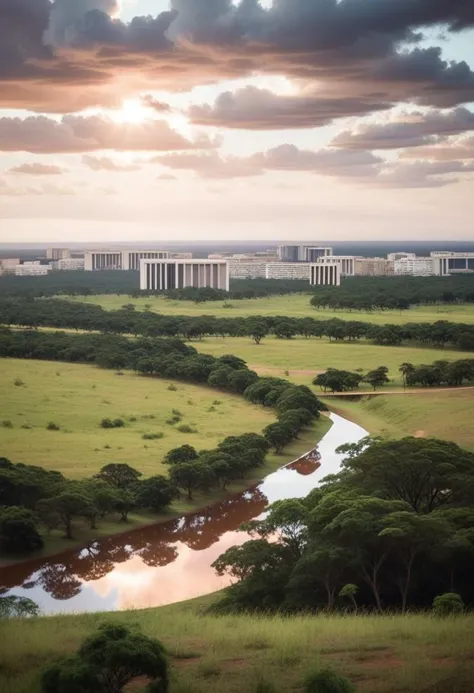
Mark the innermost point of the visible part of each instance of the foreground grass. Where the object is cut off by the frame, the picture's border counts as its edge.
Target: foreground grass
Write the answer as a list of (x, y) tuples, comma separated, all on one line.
[(390, 654), (445, 415), (295, 305), (275, 356)]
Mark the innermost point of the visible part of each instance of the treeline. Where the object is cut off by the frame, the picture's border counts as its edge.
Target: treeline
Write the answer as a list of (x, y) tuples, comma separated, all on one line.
[(239, 289), (392, 530), (389, 293), (127, 320)]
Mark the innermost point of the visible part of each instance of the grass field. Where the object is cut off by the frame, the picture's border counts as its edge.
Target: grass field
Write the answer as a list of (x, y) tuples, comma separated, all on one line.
[(78, 397), (388, 654), (275, 356), (295, 305), (445, 415)]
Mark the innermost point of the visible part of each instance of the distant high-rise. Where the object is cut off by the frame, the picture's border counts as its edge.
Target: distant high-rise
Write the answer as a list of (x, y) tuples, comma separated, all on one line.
[(58, 253), (96, 260), (302, 252)]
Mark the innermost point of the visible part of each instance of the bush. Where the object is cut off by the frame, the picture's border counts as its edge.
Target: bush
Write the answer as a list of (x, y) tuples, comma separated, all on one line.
[(53, 426), (185, 428), (153, 436), (7, 424), (448, 604), (27, 426), (118, 423), (172, 388), (326, 681), (108, 661), (176, 412), (18, 607), (108, 423), (18, 382)]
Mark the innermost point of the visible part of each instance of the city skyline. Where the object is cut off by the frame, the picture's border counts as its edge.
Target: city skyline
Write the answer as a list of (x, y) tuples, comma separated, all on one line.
[(212, 120)]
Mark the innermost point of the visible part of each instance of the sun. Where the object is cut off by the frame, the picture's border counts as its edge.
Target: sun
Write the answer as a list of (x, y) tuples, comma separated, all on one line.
[(131, 111)]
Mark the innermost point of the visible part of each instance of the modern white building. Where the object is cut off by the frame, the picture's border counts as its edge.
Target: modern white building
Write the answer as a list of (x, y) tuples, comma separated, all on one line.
[(417, 266), (68, 264), (345, 262), (9, 265), (302, 252), (374, 267), (287, 270), (96, 260), (325, 274), (58, 253), (247, 270), (392, 257), (32, 269), (163, 275), (447, 263)]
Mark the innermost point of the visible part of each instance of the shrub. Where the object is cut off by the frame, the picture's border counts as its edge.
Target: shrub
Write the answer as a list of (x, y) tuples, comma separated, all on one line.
[(18, 382), (211, 409), (217, 402), (108, 661), (132, 418), (185, 428), (53, 426), (118, 423), (27, 426), (172, 388), (448, 604), (106, 423), (176, 412), (153, 436), (7, 424), (326, 681)]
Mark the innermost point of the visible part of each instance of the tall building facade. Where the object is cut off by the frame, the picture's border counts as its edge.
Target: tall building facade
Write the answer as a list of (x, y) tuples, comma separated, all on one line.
[(97, 260), (346, 263), (32, 269), (68, 264), (9, 265), (374, 267), (58, 253), (302, 252), (164, 275), (324, 274), (287, 270), (417, 266)]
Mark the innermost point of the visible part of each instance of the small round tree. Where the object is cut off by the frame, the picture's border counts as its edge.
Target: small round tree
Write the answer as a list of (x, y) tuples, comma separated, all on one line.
[(326, 681), (349, 591), (448, 604), (108, 661)]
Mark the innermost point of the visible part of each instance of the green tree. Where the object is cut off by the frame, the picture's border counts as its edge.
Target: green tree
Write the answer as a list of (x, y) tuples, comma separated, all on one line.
[(378, 377), (18, 531), (406, 369), (286, 520), (278, 435), (256, 329), (156, 493), (349, 591), (185, 453), (66, 506), (18, 607), (192, 476), (326, 681), (448, 604), (121, 476), (108, 661)]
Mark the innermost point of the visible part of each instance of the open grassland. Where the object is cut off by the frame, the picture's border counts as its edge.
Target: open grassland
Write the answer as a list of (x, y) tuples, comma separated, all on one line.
[(445, 415), (305, 357), (236, 654), (294, 305), (77, 398)]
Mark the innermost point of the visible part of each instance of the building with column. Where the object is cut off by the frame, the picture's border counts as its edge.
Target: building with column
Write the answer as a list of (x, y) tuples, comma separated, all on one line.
[(374, 267), (164, 275), (324, 274), (96, 260), (346, 263), (302, 252), (447, 263)]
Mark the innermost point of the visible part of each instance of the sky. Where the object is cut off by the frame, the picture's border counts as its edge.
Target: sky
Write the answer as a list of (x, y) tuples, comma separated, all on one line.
[(203, 120)]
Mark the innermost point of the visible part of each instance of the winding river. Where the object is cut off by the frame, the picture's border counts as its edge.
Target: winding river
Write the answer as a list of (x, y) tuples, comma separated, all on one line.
[(169, 562)]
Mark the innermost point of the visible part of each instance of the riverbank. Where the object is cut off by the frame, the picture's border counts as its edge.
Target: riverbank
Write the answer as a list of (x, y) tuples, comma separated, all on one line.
[(56, 543), (231, 654)]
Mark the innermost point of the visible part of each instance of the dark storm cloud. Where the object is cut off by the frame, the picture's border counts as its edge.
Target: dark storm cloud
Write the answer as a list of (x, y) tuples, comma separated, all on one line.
[(69, 54), (43, 135), (411, 130)]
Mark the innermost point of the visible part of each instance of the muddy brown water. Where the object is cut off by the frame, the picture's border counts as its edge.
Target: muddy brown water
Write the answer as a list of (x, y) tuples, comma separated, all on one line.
[(169, 562)]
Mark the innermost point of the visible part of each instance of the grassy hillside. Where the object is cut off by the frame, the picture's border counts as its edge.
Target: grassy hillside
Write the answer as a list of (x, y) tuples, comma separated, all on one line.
[(390, 654), (296, 305), (274, 356), (446, 415), (78, 397)]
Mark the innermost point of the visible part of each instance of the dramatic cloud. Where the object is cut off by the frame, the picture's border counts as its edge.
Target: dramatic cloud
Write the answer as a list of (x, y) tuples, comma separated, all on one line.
[(422, 174), (158, 106), (409, 130), (38, 169), (260, 109), (43, 135), (448, 150), (105, 164), (72, 54)]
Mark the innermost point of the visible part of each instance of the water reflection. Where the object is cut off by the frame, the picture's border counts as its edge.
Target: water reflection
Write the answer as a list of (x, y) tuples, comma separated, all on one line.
[(172, 561)]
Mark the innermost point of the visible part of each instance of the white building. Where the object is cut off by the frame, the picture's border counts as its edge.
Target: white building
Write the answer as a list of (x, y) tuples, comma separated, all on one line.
[(302, 252), (32, 269), (68, 264), (417, 266), (9, 265), (96, 260), (447, 263), (163, 275), (325, 274), (58, 253), (392, 257), (374, 267), (346, 263), (287, 270), (247, 270)]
